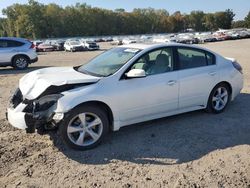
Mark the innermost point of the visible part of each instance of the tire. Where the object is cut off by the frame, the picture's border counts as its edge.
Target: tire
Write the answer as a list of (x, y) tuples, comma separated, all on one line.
[(87, 135), (218, 99), (20, 62)]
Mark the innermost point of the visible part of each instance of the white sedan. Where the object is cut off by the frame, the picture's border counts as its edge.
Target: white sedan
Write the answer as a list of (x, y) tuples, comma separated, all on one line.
[(123, 86)]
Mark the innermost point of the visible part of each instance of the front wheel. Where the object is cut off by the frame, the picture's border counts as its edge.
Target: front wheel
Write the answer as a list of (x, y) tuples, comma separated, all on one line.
[(84, 127), (218, 99)]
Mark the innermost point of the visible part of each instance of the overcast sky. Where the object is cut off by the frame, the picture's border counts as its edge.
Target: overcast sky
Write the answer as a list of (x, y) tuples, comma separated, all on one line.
[(240, 7)]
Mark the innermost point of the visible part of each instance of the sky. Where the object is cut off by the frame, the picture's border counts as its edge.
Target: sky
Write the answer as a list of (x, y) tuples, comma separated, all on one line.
[(239, 7)]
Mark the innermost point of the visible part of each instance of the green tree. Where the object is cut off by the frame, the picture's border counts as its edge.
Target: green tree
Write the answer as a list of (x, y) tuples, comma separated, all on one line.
[(209, 20), (197, 20), (239, 24), (224, 19), (36, 20), (176, 22), (247, 20)]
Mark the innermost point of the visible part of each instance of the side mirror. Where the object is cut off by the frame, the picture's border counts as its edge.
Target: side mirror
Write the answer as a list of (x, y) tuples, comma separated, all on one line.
[(136, 73)]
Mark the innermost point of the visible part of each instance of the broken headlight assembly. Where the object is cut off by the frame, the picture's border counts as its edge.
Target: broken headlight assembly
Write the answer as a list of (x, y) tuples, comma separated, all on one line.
[(46, 102)]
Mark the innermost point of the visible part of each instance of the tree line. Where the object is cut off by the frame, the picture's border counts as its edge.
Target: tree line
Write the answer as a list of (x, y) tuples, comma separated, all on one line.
[(36, 20)]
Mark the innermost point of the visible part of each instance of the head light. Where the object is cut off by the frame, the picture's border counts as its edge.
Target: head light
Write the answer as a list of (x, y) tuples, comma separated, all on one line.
[(58, 116), (46, 102)]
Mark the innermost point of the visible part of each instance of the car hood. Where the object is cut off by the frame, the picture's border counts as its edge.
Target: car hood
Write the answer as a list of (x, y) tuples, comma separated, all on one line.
[(36, 82)]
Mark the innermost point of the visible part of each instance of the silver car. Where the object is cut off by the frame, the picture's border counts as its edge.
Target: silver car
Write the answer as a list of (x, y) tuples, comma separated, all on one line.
[(16, 52)]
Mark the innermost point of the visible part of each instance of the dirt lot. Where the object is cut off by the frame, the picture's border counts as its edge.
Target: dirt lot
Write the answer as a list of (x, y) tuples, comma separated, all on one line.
[(190, 150)]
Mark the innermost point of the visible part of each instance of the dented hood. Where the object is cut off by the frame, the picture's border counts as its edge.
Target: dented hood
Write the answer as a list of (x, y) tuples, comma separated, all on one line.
[(36, 82)]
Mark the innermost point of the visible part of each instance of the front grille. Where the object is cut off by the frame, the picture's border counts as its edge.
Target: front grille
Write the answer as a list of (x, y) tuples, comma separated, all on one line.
[(16, 99)]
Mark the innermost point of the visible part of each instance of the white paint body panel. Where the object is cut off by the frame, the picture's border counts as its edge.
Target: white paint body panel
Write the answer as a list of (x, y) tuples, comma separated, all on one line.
[(138, 99), (16, 116), (34, 83), (196, 85)]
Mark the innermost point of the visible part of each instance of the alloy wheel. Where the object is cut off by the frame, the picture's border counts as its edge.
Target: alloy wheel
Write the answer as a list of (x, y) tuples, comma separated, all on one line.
[(21, 62), (220, 98), (85, 129)]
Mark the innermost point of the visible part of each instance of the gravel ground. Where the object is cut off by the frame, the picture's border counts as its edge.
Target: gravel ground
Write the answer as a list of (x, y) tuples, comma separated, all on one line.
[(194, 149)]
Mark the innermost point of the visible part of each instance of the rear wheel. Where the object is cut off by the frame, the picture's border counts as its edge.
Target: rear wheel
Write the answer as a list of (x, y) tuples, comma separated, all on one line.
[(20, 62), (84, 127), (218, 99)]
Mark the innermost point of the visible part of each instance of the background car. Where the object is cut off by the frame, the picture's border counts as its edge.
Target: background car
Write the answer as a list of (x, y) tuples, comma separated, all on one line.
[(116, 41), (186, 38), (57, 44), (36, 43), (89, 45), (17, 52), (45, 47), (128, 41), (73, 46), (108, 92)]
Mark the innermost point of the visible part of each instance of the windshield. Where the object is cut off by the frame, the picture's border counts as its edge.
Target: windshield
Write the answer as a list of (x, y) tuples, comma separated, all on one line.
[(108, 62), (74, 43)]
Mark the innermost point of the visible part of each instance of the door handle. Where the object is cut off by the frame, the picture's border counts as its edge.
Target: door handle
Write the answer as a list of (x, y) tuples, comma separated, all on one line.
[(212, 73), (171, 82)]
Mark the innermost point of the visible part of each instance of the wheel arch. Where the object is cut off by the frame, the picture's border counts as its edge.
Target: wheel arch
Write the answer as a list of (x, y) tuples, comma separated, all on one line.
[(102, 105), (229, 86), (24, 55), (208, 108)]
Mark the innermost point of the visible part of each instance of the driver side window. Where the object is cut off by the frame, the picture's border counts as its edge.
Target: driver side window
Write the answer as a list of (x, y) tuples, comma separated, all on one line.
[(156, 62)]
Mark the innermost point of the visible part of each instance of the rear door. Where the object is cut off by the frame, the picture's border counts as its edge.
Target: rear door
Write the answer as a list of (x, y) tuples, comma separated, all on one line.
[(198, 75), (8, 48)]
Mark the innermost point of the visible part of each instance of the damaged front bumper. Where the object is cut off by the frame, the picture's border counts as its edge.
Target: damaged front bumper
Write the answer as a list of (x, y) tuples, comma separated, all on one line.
[(31, 115), (16, 117), (21, 120)]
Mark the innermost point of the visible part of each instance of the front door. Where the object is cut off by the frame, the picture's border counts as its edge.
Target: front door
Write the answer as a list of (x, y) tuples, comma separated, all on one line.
[(142, 99)]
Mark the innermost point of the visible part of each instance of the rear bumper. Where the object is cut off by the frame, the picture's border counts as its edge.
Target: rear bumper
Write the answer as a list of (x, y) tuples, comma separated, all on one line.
[(34, 60), (237, 85)]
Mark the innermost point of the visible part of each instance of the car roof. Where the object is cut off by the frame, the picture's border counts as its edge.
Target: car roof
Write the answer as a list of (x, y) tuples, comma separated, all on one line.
[(15, 39), (149, 46)]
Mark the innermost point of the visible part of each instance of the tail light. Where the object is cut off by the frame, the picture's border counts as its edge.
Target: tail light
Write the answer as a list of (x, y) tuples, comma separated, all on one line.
[(237, 66), (32, 46)]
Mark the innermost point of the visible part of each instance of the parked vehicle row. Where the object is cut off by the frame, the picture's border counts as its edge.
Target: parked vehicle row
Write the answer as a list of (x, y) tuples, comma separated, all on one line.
[(201, 37), (189, 37), (71, 45)]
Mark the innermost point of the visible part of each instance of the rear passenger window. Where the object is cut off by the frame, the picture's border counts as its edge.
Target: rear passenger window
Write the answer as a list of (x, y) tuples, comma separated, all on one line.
[(191, 58), (12, 43)]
